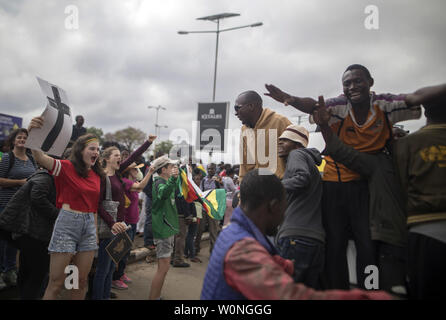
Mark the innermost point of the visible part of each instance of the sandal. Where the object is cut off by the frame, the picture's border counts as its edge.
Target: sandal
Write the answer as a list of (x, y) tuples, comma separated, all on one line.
[(195, 260)]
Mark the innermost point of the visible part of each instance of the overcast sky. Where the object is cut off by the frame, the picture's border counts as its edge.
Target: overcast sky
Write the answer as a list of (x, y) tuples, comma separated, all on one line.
[(127, 55)]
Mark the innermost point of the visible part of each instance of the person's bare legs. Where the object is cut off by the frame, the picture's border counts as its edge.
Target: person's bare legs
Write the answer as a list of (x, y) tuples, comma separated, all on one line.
[(158, 279), (83, 261), (58, 263)]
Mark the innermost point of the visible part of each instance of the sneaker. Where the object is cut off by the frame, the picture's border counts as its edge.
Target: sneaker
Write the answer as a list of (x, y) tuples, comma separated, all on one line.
[(181, 265), (2, 283), (126, 279), (118, 284), (113, 295), (10, 278)]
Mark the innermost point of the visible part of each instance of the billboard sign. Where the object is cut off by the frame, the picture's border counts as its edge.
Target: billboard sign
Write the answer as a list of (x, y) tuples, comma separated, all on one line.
[(8, 124), (213, 119)]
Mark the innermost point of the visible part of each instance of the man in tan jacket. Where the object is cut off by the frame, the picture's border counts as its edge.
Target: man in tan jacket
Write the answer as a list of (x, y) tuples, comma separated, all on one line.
[(260, 134)]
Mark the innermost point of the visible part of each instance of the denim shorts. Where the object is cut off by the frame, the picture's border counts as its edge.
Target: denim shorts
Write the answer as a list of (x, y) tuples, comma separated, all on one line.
[(73, 232), (164, 247)]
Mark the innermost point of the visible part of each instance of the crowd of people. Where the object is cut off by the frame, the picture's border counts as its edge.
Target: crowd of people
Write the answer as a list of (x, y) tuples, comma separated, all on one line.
[(285, 231), (61, 211), (384, 191)]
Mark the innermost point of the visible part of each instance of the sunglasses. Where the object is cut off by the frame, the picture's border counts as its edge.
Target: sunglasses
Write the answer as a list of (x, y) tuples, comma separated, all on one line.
[(237, 108)]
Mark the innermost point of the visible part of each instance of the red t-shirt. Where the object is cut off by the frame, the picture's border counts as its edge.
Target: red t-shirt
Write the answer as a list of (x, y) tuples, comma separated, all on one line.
[(82, 194)]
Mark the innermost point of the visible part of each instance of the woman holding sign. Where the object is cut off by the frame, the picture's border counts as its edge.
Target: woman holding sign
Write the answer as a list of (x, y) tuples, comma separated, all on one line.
[(78, 185)]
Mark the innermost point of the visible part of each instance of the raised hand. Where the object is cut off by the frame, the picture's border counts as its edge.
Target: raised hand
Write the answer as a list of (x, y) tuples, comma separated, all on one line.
[(321, 115), (151, 138), (278, 94), (36, 122)]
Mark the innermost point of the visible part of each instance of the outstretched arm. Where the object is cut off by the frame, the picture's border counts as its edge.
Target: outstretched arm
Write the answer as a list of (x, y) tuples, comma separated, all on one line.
[(425, 95), (306, 105), (42, 159), (137, 153), (139, 186), (252, 271)]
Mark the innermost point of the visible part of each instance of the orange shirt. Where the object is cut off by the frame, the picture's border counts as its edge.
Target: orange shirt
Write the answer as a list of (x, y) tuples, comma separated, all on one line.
[(369, 137)]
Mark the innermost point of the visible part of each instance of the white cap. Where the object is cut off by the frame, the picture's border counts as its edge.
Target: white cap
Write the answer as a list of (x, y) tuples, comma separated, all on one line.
[(297, 134)]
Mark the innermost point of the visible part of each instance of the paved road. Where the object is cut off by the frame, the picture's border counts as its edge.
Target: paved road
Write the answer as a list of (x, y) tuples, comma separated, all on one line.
[(180, 283)]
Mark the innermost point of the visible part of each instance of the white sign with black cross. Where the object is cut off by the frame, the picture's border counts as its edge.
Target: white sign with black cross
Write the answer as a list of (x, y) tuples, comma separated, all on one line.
[(55, 134)]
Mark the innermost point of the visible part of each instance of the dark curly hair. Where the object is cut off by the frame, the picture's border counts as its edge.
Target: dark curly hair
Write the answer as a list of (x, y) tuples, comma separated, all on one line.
[(77, 160), (13, 135)]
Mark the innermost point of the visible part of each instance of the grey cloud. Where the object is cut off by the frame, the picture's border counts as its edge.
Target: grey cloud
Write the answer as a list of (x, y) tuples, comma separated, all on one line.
[(127, 55)]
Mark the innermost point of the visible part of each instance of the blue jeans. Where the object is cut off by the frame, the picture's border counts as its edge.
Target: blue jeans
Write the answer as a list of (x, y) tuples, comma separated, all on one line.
[(123, 263), (104, 272), (148, 234), (189, 249), (8, 255), (308, 255)]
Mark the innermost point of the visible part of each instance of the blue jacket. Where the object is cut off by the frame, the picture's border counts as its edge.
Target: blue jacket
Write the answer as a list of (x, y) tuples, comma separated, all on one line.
[(214, 285)]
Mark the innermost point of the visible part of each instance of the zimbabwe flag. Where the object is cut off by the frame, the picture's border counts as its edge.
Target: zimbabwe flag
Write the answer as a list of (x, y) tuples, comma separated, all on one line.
[(214, 203), (186, 188), (199, 166)]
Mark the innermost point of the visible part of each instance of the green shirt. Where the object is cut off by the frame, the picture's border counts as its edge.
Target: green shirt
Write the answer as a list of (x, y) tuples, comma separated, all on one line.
[(164, 212)]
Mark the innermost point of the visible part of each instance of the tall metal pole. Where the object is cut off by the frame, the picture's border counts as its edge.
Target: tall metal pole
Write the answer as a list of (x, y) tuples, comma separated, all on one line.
[(216, 56), (216, 18), (156, 122)]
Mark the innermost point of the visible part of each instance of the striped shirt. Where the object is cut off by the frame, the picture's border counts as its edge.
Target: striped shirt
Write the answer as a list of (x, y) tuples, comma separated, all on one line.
[(372, 135), (20, 170)]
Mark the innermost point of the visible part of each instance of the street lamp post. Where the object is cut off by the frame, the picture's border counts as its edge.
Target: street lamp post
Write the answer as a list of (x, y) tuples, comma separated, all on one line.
[(216, 18), (156, 121)]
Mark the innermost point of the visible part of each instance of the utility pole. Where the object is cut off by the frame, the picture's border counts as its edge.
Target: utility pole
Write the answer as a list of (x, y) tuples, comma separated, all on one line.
[(216, 19), (156, 122)]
